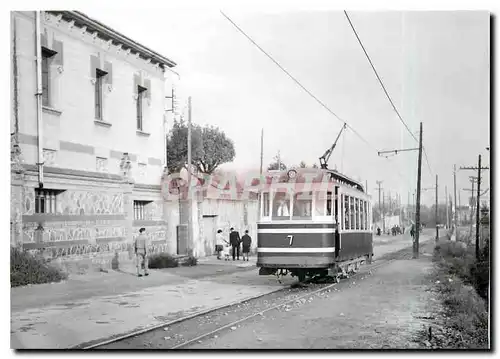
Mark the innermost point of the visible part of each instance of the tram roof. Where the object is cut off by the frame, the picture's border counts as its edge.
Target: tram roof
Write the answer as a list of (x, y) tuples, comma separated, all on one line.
[(314, 176)]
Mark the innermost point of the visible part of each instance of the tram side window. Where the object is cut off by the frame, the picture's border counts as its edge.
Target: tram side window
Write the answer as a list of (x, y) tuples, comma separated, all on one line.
[(265, 204), (341, 214), (281, 205), (302, 205), (367, 220), (329, 204), (356, 213), (352, 212), (347, 218), (363, 214)]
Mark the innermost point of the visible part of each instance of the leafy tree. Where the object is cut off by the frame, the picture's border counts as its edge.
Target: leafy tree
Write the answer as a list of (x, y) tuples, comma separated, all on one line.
[(302, 164), (315, 165), (216, 150), (277, 164), (210, 147)]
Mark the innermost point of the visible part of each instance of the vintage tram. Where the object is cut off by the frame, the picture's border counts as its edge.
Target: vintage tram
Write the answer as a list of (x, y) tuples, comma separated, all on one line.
[(313, 222)]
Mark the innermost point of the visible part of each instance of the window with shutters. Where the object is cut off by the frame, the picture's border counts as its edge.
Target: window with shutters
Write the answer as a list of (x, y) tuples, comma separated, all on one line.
[(47, 56), (141, 91), (99, 83)]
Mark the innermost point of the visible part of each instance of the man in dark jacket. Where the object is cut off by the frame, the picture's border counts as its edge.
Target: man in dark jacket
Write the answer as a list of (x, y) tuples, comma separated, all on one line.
[(247, 241), (234, 240)]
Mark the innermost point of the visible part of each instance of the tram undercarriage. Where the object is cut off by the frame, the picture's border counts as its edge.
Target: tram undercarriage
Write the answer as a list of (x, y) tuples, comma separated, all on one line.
[(337, 271)]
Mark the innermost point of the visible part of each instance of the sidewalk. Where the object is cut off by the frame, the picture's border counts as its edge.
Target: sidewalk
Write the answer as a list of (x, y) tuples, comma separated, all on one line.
[(98, 306)]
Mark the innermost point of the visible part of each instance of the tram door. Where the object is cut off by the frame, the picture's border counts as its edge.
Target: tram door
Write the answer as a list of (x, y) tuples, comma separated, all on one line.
[(337, 220)]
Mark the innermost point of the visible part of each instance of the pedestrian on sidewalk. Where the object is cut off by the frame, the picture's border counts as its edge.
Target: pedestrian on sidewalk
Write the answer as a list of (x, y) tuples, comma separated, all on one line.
[(219, 243), (235, 240), (141, 247), (247, 241)]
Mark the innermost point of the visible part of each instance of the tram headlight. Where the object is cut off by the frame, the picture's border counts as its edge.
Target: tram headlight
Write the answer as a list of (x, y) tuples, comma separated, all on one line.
[(292, 174)]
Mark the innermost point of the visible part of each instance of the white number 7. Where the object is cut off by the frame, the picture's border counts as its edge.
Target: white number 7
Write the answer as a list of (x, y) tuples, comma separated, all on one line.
[(290, 238)]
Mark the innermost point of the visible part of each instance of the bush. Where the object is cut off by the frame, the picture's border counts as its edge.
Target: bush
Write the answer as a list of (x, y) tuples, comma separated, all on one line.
[(163, 260), (27, 269), (190, 261)]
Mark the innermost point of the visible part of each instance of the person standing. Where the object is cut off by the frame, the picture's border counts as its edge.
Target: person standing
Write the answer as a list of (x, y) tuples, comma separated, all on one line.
[(234, 240), (141, 246), (246, 241), (219, 243)]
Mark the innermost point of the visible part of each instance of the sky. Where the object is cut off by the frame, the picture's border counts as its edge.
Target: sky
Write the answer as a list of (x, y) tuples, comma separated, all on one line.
[(434, 65)]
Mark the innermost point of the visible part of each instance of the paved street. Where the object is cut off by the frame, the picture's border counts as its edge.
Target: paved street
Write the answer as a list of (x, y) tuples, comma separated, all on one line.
[(110, 304)]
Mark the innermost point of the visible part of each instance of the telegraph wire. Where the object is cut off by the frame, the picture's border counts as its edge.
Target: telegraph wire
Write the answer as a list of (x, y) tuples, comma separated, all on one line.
[(383, 86), (300, 85), (297, 81)]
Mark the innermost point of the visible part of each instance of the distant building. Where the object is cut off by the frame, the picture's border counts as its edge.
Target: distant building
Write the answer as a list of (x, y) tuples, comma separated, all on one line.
[(88, 153)]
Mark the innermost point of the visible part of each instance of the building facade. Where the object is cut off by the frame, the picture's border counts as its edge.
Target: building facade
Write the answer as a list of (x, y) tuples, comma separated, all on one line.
[(88, 137)]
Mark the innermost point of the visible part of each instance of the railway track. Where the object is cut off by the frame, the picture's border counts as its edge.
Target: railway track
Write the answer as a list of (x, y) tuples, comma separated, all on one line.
[(324, 287)]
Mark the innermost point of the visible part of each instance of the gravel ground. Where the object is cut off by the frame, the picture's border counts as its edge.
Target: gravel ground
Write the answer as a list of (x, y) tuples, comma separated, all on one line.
[(389, 296)]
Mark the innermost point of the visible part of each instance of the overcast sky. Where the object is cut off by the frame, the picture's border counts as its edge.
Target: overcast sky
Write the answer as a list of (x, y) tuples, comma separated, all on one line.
[(435, 66)]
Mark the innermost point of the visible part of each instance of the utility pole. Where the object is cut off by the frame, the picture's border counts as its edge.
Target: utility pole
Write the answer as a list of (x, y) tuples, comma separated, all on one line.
[(459, 208), (446, 201), (437, 212), (383, 210), (190, 243), (479, 169), (379, 202), (455, 194), (478, 207), (419, 177), (261, 151)]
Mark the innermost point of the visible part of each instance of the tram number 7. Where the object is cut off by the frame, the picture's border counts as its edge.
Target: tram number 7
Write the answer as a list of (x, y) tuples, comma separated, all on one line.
[(290, 238)]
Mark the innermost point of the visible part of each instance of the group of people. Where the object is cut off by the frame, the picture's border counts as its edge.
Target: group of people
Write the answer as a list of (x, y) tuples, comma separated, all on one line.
[(232, 246), (222, 246), (396, 229)]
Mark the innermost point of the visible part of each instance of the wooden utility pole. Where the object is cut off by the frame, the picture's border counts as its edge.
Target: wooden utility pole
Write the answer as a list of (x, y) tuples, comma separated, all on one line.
[(455, 194), (261, 150), (379, 201), (383, 210), (189, 194), (479, 169), (419, 171), (478, 206), (437, 212), (419, 177), (446, 201)]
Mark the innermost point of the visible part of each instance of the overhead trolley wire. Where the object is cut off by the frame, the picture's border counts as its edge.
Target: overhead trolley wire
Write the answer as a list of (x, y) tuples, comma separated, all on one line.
[(383, 86), (300, 85)]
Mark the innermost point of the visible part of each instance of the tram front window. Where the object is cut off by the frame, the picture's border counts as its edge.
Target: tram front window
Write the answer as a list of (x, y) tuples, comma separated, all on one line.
[(281, 206), (302, 205), (265, 204)]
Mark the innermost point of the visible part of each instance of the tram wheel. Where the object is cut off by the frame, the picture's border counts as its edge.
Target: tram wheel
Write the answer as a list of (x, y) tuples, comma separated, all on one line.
[(301, 275)]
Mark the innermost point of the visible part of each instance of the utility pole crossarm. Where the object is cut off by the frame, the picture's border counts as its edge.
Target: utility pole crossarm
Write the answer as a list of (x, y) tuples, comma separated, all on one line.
[(474, 168), (396, 151)]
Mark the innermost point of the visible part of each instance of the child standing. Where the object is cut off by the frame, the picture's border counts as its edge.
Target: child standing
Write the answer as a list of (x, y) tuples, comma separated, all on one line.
[(247, 241)]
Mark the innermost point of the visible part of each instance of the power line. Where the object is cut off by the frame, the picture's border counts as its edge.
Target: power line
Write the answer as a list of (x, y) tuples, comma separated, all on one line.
[(296, 81), (299, 84), (383, 87)]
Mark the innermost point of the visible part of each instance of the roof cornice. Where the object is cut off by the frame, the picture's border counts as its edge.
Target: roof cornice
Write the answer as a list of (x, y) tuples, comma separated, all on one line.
[(110, 34)]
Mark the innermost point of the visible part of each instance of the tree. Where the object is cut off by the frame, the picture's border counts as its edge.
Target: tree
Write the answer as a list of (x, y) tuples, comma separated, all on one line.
[(302, 164), (216, 150), (210, 147), (315, 165), (276, 164)]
